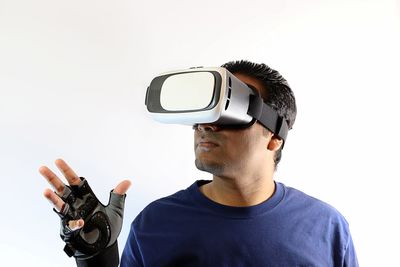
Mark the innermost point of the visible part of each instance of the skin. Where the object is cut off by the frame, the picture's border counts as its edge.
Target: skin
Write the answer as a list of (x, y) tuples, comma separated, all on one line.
[(72, 179), (241, 160)]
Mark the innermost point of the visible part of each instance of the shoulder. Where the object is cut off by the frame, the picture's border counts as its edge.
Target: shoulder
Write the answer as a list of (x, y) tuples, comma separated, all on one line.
[(319, 221), (309, 207), (298, 198), (315, 216), (165, 208), (178, 199)]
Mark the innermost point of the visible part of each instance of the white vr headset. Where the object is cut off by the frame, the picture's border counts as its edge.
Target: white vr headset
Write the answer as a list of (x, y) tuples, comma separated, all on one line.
[(210, 95)]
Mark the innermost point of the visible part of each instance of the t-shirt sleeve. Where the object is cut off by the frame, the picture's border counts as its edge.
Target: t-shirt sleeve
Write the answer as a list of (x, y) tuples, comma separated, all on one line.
[(350, 257), (131, 256)]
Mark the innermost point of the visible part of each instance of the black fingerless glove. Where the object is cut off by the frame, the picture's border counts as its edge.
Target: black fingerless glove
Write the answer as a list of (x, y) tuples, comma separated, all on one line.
[(102, 223)]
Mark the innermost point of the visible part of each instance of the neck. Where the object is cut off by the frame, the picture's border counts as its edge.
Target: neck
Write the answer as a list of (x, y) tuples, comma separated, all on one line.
[(239, 191)]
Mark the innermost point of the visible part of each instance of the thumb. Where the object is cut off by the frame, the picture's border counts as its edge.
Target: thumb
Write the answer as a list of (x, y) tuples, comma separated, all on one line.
[(122, 187)]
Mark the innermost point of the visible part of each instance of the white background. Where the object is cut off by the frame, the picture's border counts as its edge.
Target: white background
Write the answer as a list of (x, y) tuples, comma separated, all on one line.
[(73, 76)]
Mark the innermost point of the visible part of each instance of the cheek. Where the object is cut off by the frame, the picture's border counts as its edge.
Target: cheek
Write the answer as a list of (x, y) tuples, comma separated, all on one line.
[(244, 145), (252, 144)]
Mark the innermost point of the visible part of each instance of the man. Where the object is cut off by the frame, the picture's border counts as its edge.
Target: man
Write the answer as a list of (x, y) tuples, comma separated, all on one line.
[(240, 218)]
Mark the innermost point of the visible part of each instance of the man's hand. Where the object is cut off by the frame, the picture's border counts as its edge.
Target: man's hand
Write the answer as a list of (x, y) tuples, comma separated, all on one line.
[(87, 226)]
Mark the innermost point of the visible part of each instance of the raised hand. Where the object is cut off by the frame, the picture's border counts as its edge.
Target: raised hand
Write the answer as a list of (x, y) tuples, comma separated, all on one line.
[(87, 226)]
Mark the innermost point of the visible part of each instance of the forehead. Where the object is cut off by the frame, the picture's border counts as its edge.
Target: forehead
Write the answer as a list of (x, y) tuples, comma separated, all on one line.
[(253, 82)]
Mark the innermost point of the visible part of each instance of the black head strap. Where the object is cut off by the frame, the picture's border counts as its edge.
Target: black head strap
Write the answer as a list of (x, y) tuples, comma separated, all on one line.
[(267, 116)]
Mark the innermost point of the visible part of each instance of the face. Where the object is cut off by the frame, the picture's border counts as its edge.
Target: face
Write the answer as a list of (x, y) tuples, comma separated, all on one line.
[(225, 152)]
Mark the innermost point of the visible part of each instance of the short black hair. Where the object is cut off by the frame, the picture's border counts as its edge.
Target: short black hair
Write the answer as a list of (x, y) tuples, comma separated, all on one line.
[(278, 93)]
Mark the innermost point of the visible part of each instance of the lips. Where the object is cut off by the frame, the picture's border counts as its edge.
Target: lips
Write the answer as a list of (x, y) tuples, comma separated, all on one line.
[(206, 142)]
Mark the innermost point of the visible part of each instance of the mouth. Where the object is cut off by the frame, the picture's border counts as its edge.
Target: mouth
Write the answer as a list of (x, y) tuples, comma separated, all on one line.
[(206, 141), (207, 144)]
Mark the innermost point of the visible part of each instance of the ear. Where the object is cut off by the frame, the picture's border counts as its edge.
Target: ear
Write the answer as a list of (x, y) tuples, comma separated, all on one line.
[(275, 143)]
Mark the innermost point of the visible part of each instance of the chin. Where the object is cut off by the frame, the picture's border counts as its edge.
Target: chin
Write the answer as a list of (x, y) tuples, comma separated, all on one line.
[(210, 167)]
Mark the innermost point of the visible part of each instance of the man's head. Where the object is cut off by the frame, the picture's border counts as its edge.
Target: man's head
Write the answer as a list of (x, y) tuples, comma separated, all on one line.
[(246, 144)]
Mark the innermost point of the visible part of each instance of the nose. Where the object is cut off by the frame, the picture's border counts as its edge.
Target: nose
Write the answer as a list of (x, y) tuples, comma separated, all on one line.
[(206, 127)]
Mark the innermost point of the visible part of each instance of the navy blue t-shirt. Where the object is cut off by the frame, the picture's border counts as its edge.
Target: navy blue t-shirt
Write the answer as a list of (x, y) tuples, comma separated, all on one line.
[(289, 229)]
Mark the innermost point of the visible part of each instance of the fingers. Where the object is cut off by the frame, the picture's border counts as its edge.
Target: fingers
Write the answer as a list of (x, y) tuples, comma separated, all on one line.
[(54, 199), (68, 173), (57, 184), (76, 224), (58, 204), (122, 187)]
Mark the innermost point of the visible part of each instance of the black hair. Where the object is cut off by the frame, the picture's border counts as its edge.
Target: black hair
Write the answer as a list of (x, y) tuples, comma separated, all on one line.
[(277, 94)]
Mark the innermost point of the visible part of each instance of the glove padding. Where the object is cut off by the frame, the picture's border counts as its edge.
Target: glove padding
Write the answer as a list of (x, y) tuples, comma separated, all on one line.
[(102, 223)]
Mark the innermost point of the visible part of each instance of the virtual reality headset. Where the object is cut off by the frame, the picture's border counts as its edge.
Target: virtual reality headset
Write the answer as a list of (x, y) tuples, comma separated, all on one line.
[(210, 95)]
